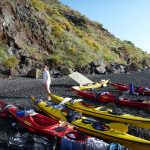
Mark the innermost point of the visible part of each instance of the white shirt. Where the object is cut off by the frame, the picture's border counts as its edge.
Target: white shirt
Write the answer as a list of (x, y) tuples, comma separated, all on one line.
[(46, 77)]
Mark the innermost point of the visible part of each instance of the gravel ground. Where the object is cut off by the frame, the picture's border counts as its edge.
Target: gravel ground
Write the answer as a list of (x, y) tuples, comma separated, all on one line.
[(18, 90)]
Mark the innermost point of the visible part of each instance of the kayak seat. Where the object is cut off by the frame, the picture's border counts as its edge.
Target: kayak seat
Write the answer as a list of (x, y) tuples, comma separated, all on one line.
[(72, 116), (103, 109), (60, 129), (76, 135), (37, 101), (118, 111), (140, 100), (100, 126), (41, 121), (101, 95)]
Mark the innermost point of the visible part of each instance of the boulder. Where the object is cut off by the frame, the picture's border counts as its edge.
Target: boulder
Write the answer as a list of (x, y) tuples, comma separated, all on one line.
[(13, 72), (9, 71), (34, 73), (97, 63), (55, 73), (134, 66), (23, 69), (120, 68), (110, 68), (28, 62), (86, 69), (12, 51), (66, 71), (115, 68), (100, 70)]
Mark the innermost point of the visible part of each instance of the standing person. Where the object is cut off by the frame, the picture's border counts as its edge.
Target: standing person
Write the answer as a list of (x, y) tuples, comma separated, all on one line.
[(46, 81)]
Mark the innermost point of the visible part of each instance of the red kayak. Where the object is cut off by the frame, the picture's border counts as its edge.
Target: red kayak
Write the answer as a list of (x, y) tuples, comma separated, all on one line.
[(108, 97), (40, 124), (139, 90)]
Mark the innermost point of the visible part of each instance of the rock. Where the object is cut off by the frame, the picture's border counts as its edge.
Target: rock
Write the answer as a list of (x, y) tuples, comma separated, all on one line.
[(110, 68), (28, 62), (4, 71), (13, 72), (66, 71), (115, 68), (24, 53), (55, 73), (12, 51), (97, 63), (34, 73), (97, 67), (120, 68), (134, 66), (9, 71), (86, 69), (23, 70), (139, 70), (100, 70), (127, 69)]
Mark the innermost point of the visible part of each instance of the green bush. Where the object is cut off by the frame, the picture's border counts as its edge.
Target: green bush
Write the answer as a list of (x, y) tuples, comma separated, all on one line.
[(11, 62), (39, 4), (55, 58), (57, 30)]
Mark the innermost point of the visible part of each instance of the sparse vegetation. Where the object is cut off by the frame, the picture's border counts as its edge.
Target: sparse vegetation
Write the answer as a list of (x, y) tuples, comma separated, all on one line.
[(78, 41), (74, 39), (11, 62)]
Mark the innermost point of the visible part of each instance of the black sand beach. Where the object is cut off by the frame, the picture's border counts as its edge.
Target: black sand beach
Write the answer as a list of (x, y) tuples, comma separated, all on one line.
[(18, 91)]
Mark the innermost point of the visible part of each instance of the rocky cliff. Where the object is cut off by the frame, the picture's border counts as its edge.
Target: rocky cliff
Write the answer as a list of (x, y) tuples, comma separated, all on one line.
[(34, 32)]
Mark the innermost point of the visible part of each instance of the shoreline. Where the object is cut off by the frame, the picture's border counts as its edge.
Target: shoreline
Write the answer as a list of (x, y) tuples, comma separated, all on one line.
[(19, 89)]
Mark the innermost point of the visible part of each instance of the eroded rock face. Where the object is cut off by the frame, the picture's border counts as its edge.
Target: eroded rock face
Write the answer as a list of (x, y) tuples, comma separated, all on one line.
[(115, 68), (24, 31)]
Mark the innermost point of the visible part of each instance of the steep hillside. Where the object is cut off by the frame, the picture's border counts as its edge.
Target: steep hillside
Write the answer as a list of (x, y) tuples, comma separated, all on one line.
[(33, 32)]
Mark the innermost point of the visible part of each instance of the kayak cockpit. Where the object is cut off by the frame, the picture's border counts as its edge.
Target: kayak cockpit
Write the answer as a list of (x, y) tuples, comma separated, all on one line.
[(42, 121)]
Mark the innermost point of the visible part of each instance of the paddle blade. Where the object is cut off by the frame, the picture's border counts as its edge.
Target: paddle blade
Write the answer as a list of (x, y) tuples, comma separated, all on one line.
[(104, 82), (118, 126), (65, 100), (33, 98)]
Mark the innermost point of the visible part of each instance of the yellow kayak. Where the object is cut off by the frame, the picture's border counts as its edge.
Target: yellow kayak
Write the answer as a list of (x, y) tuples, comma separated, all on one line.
[(94, 85), (113, 131), (102, 112)]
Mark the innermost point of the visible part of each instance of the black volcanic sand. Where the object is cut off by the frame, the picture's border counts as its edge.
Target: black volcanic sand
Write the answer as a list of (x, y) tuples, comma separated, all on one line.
[(18, 91)]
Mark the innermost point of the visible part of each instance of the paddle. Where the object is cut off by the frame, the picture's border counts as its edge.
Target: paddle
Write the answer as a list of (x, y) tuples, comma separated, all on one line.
[(33, 98), (65, 100), (105, 82), (118, 126)]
